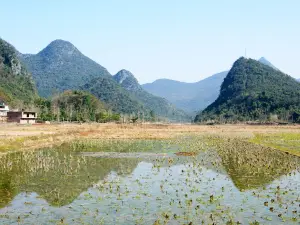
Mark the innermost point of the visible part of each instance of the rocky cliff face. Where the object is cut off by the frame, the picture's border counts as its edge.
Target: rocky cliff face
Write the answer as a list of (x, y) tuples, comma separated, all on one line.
[(127, 80), (16, 85)]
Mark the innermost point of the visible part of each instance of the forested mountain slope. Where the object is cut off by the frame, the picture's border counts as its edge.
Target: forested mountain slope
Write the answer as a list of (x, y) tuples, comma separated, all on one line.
[(157, 105), (16, 85), (252, 91), (61, 66)]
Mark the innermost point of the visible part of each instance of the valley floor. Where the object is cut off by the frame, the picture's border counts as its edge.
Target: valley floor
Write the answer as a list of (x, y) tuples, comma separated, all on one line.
[(15, 137)]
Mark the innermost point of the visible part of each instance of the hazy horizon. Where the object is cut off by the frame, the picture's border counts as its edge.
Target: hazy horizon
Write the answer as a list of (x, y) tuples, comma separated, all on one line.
[(172, 39)]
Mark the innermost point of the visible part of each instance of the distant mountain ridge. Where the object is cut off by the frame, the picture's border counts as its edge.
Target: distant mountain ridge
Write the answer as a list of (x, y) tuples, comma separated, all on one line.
[(158, 105), (264, 61), (127, 80), (190, 97), (61, 66), (252, 91)]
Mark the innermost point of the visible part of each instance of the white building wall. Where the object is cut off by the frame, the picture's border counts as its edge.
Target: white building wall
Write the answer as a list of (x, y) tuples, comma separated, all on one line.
[(28, 115), (3, 113)]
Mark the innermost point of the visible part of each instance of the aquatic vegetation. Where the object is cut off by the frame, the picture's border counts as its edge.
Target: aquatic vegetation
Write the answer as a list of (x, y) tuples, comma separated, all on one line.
[(193, 179), (50, 173)]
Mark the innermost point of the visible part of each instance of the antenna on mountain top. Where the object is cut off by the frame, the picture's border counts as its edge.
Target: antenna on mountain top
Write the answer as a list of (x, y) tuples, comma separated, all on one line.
[(245, 53)]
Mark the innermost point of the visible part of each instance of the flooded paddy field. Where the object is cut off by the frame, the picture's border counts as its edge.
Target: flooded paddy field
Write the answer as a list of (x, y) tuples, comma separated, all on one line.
[(191, 179)]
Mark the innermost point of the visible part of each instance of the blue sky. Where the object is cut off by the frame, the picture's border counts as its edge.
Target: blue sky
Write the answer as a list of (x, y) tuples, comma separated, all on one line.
[(181, 40)]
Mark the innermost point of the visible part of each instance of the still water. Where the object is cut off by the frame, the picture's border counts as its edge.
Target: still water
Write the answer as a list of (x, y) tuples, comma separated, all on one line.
[(145, 182)]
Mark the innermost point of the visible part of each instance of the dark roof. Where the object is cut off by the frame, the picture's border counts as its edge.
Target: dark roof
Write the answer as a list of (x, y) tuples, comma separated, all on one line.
[(21, 112)]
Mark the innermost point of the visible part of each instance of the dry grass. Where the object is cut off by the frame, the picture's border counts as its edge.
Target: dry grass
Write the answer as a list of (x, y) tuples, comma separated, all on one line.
[(23, 137)]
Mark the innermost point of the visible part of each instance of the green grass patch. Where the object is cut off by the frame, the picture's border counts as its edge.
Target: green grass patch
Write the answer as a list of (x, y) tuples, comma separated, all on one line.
[(287, 142), (11, 145)]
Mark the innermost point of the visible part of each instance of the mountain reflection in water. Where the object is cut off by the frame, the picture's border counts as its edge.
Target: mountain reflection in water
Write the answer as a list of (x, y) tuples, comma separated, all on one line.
[(55, 184)]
